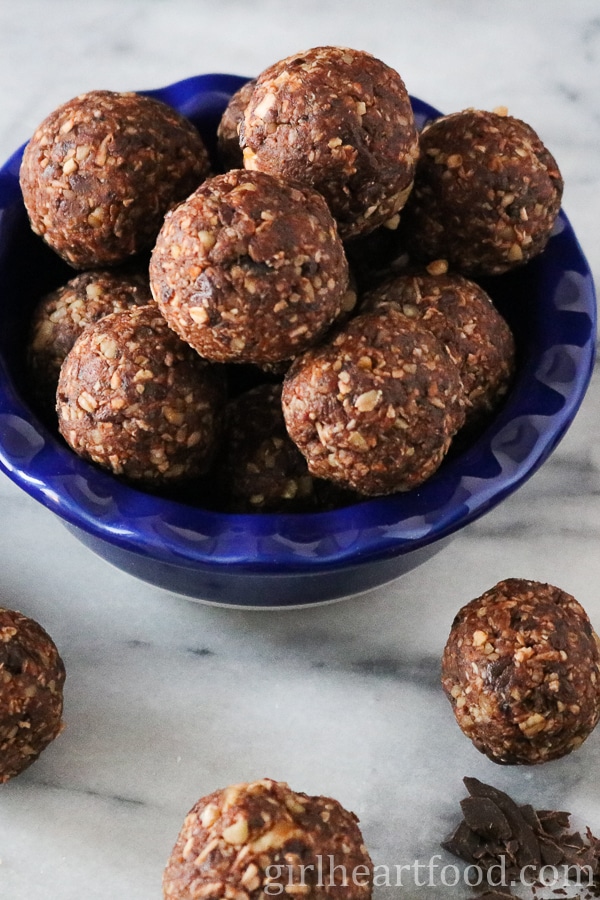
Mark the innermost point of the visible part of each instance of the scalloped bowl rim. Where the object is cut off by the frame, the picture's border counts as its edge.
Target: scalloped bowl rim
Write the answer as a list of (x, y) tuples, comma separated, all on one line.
[(379, 528)]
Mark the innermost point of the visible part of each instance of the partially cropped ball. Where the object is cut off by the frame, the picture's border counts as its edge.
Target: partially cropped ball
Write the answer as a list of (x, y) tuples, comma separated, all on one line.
[(486, 193), (32, 676), (376, 408), (102, 170), (228, 130), (260, 468), (60, 317), (249, 268), (341, 121), (135, 399), (251, 841), (521, 669)]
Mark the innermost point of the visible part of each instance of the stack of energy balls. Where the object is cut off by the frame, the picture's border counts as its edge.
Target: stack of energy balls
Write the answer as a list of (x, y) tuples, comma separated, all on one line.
[(356, 375)]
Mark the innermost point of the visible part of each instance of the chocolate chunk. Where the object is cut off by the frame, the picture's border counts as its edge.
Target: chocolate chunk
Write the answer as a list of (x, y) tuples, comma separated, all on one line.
[(553, 821), (484, 817), (552, 854), (533, 839), (464, 843), (529, 849)]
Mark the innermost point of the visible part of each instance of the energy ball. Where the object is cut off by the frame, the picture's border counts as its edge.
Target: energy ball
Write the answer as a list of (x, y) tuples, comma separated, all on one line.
[(228, 130), (341, 121), (486, 193), (261, 469), (61, 316), (521, 669), (32, 676), (463, 317), (249, 269), (135, 399), (253, 840), (102, 170), (376, 408)]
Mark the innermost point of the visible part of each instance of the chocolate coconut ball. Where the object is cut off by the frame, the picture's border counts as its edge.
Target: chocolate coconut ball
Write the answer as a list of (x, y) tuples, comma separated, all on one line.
[(377, 407), (521, 669), (249, 268), (261, 469), (341, 121), (138, 401), (101, 171), (32, 676), (228, 130), (253, 840), (463, 317), (486, 193), (61, 316)]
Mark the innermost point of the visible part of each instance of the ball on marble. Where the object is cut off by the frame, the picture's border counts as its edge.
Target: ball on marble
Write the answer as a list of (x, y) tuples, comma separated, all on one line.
[(486, 193), (102, 170), (248, 841), (521, 668), (32, 675)]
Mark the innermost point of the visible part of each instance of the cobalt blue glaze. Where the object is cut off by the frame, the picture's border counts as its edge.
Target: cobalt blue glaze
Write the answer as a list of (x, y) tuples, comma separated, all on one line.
[(283, 560)]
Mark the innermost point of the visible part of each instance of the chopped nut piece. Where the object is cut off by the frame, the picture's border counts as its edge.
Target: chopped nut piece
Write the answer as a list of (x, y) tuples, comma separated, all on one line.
[(438, 267), (237, 833)]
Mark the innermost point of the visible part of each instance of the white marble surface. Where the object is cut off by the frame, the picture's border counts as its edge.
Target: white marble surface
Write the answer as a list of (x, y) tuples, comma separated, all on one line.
[(166, 699)]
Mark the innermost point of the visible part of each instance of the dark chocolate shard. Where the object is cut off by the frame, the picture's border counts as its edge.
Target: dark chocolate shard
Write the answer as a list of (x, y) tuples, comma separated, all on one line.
[(552, 854), (529, 848), (485, 818), (464, 843), (495, 829), (553, 821), (531, 817)]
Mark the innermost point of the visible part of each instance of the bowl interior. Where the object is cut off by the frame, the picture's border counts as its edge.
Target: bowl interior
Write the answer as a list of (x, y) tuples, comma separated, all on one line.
[(549, 304)]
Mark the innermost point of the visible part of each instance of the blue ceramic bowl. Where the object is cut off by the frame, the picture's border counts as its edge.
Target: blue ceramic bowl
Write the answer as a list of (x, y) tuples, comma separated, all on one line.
[(274, 560)]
